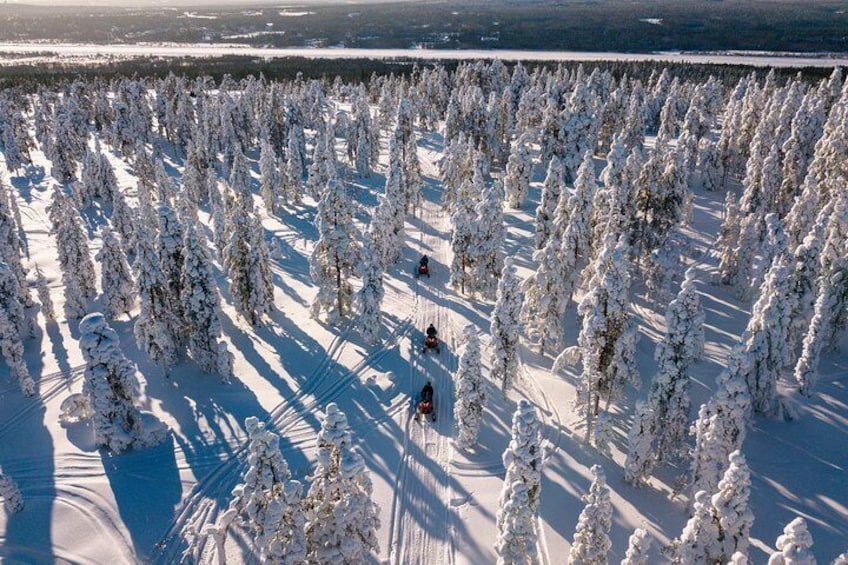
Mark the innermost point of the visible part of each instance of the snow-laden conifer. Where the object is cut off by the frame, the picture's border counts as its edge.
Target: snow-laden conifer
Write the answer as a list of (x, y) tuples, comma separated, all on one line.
[(268, 502), (698, 542), (74, 255), (591, 541), (341, 519), (463, 221), (111, 389), (369, 298), (552, 188), (201, 306), (12, 499), (662, 436), (123, 220), (640, 450), (248, 263), (335, 254), (10, 241), (729, 509), (269, 178), (470, 391), (637, 548), (519, 171), (13, 353), (793, 545), (523, 456), (517, 538), (487, 240), (506, 326), (721, 425), (115, 277), (44, 296), (154, 326), (765, 339), (607, 336)]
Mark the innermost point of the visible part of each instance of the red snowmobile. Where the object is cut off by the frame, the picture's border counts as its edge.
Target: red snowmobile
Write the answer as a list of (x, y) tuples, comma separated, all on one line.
[(423, 267), (426, 405), (432, 340)]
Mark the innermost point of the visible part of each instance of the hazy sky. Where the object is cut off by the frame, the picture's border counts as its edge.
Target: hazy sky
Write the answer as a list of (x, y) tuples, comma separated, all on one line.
[(142, 3)]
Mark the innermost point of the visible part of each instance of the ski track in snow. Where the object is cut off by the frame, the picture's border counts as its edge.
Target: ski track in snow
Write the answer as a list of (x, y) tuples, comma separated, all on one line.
[(421, 519), (201, 507)]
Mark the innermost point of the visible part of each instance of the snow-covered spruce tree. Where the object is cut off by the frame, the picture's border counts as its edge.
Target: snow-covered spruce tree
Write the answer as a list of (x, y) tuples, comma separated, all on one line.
[(341, 519), (154, 328), (793, 546), (591, 541), (729, 509), (111, 389), (12, 499), (765, 339), (523, 456), (682, 343), (169, 246), (698, 542), (506, 326), (116, 278), (544, 299), (293, 173), (201, 307), (487, 240), (519, 171), (721, 426), (577, 230), (10, 493), (581, 124), (552, 188), (386, 228), (248, 263), (13, 353), (607, 336), (74, 256), (829, 310), (640, 450), (517, 539), (268, 501), (123, 220), (44, 296), (463, 224), (728, 267), (637, 548), (335, 254), (10, 242), (269, 179), (369, 298), (13, 304), (470, 392)]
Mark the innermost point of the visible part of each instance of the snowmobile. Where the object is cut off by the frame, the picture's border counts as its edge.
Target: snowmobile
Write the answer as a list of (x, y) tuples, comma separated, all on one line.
[(426, 405), (432, 342), (423, 267)]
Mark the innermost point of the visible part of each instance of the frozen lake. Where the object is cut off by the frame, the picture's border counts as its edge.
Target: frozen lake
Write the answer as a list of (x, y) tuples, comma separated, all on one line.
[(64, 50)]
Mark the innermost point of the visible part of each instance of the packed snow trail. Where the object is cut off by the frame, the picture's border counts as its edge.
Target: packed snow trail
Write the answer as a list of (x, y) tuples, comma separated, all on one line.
[(420, 529)]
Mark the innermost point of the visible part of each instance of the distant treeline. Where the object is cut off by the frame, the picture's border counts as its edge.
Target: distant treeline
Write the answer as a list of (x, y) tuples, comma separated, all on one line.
[(28, 77)]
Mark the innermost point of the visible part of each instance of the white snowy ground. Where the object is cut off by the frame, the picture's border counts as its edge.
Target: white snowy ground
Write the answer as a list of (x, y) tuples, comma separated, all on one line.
[(438, 504), (45, 51)]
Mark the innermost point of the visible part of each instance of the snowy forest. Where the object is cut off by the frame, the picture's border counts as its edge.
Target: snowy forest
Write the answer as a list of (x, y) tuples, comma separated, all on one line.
[(211, 318)]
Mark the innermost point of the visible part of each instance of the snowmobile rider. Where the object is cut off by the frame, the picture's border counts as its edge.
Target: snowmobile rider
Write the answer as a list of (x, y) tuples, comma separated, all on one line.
[(431, 331), (424, 262), (427, 393)]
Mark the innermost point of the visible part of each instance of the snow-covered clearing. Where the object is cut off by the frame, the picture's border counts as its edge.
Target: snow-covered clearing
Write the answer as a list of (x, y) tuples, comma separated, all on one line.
[(218, 50), (437, 503)]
